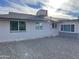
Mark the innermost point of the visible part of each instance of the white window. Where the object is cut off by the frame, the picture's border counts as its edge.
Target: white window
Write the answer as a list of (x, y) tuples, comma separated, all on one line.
[(39, 26), (68, 28), (17, 26)]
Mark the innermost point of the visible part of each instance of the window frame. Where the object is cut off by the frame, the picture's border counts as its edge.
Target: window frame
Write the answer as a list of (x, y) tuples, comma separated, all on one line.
[(18, 30), (11, 27), (38, 26), (54, 25), (71, 30), (21, 25)]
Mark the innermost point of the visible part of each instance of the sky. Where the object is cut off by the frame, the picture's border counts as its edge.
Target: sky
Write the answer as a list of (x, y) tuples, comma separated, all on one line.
[(56, 8)]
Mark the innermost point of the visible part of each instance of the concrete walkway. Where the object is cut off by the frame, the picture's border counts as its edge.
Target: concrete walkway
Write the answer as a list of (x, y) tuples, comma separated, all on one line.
[(46, 48)]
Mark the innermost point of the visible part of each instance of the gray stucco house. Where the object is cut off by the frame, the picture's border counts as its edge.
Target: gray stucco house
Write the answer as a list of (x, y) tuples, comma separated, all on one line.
[(18, 26)]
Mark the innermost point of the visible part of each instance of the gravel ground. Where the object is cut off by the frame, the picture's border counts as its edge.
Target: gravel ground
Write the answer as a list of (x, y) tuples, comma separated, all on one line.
[(45, 48)]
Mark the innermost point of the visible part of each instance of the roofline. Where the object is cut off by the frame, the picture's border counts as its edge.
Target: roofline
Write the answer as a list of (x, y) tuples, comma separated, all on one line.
[(20, 19), (38, 19), (10, 19)]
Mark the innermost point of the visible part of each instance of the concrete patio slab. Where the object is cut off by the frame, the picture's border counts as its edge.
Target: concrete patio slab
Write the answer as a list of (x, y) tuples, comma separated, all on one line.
[(45, 48)]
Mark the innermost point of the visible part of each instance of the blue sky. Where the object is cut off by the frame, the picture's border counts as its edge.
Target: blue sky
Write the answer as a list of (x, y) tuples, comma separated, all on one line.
[(56, 8)]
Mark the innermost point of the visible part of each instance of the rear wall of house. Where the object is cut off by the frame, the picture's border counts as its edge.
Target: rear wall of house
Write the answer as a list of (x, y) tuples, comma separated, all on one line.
[(30, 33)]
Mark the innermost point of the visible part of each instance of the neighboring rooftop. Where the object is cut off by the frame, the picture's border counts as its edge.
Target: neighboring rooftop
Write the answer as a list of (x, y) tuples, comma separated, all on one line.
[(42, 13), (13, 15)]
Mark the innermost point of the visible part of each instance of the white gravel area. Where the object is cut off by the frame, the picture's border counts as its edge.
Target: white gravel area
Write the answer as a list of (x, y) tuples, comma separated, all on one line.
[(45, 48)]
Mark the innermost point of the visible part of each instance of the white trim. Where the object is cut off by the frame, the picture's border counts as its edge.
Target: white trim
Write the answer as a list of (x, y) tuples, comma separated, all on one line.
[(18, 25)]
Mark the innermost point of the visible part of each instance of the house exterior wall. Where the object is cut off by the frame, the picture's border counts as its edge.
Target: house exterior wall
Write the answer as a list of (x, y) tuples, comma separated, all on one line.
[(74, 34), (31, 32)]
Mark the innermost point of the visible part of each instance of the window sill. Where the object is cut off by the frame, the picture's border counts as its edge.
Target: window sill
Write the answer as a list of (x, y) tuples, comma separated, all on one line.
[(67, 32), (17, 31)]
